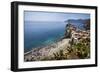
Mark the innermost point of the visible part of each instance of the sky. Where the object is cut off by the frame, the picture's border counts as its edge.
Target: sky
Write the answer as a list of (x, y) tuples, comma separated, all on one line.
[(53, 16)]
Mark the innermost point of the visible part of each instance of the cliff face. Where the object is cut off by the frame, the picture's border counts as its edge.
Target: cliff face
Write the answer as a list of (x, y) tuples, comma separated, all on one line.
[(68, 30), (87, 24), (72, 28)]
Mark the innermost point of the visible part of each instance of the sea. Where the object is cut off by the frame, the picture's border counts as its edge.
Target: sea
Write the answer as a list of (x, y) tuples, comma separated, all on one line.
[(39, 34)]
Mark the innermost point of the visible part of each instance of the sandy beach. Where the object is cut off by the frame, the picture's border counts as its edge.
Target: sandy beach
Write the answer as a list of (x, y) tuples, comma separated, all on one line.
[(60, 46), (40, 53)]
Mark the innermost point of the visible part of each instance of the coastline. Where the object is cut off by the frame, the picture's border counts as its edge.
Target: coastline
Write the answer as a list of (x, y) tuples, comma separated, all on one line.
[(47, 50), (75, 44)]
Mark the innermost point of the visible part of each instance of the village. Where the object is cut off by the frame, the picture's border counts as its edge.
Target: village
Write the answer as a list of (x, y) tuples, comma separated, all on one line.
[(75, 33)]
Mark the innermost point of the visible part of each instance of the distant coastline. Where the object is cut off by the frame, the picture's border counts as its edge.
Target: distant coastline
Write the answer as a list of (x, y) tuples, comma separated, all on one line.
[(65, 48)]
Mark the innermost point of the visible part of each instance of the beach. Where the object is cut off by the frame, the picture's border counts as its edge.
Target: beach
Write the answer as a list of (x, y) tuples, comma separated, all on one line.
[(47, 51)]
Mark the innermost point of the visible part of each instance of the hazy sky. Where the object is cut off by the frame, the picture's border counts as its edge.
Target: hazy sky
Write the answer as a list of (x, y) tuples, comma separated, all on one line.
[(53, 16)]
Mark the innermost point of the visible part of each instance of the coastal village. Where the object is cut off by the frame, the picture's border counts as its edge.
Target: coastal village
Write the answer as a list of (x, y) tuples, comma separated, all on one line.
[(74, 45), (76, 34)]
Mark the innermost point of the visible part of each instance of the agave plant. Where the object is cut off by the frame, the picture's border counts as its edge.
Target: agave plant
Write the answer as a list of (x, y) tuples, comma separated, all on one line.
[(82, 49), (60, 55)]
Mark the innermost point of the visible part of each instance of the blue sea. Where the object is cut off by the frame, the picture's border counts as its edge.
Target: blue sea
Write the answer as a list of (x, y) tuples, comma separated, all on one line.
[(38, 34)]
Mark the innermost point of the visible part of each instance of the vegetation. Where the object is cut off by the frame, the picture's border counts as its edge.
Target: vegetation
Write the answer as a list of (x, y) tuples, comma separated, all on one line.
[(82, 48), (79, 50), (60, 55)]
